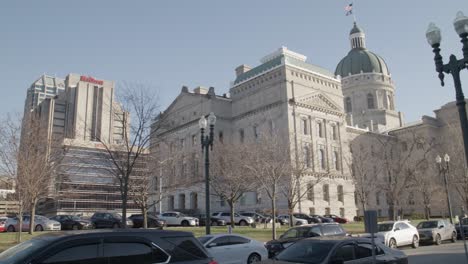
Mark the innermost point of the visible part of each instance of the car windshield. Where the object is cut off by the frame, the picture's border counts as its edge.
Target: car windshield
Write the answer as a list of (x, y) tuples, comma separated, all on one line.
[(19, 252), (204, 239), (306, 251), (385, 227), (427, 224), (116, 215), (76, 218)]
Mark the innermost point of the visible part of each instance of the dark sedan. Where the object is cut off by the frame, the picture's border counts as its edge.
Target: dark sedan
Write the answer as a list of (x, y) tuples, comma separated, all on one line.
[(338, 250), (295, 234), (337, 219), (152, 221), (72, 222), (215, 221), (324, 219), (310, 219)]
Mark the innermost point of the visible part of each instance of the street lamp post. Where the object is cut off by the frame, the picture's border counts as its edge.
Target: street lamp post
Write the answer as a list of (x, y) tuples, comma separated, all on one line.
[(444, 169), (454, 67), (207, 144)]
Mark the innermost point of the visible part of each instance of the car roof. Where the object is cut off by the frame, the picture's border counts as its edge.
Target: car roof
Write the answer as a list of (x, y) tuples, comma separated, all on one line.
[(227, 234), (317, 224), (337, 239)]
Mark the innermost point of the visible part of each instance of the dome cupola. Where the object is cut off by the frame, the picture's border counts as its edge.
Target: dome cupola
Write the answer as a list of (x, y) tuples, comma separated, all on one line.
[(360, 59)]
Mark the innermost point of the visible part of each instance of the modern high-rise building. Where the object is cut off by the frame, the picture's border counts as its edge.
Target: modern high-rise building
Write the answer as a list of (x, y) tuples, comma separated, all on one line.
[(82, 117)]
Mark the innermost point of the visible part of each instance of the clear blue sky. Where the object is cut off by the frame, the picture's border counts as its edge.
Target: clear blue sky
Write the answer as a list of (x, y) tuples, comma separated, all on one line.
[(172, 43)]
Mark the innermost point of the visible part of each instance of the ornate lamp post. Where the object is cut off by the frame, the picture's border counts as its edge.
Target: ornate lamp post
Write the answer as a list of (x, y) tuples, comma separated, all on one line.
[(454, 67), (444, 169), (206, 144)]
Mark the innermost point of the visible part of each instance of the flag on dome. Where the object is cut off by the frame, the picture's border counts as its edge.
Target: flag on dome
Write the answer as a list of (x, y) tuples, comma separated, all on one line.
[(349, 9)]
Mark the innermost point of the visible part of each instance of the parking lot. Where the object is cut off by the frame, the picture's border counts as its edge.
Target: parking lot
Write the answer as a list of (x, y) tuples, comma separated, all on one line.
[(443, 254)]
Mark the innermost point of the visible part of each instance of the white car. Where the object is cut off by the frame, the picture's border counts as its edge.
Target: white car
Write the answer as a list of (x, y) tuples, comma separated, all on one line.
[(398, 233), (178, 219), (296, 221), (234, 249), (41, 223), (238, 219)]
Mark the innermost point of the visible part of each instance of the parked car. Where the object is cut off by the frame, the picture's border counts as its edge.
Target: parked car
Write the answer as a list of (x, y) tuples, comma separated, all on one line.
[(310, 219), (282, 221), (2, 223), (337, 219), (334, 250), (238, 219), (110, 246), (72, 222), (297, 233), (296, 221), (178, 219), (234, 249), (108, 220), (258, 218), (397, 233), (436, 231), (152, 221), (41, 223), (460, 232), (215, 221), (324, 219)]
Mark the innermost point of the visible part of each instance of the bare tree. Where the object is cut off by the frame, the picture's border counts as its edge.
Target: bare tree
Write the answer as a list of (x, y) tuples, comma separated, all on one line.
[(136, 111), (300, 180), (269, 162), (229, 178)]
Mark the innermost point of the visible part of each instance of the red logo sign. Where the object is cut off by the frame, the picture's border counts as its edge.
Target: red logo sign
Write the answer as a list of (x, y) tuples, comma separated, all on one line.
[(91, 80)]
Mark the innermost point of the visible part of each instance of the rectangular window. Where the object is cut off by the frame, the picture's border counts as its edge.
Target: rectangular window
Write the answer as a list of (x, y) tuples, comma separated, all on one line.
[(310, 192), (255, 131), (304, 127), (320, 129), (334, 132), (221, 137), (342, 212), (311, 210), (194, 140), (327, 210), (340, 193), (241, 135), (326, 193)]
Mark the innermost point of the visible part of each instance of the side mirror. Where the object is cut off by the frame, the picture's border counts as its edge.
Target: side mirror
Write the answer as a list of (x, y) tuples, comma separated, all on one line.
[(440, 227), (337, 261)]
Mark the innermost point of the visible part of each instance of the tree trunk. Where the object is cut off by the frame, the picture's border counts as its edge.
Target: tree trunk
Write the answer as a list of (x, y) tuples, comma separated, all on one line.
[(33, 213), (145, 217), (427, 212), (20, 219), (231, 208), (273, 209), (290, 212), (124, 206)]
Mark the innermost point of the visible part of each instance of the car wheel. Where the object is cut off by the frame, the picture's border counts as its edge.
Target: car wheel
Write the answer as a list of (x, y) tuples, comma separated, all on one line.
[(254, 258), (454, 237), (39, 228), (243, 223), (438, 240), (11, 229), (74, 227), (415, 243), (185, 223), (392, 243), (115, 225)]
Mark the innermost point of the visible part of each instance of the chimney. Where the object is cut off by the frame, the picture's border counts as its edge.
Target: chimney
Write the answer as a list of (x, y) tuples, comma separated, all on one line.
[(200, 90), (242, 69)]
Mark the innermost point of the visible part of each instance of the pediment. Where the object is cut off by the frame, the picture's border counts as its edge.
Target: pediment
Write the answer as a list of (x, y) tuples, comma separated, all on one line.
[(319, 101)]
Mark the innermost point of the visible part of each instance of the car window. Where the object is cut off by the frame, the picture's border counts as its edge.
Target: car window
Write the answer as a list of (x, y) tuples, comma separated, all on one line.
[(306, 251), (385, 227), (220, 241), (329, 230), (235, 240), (166, 214), (403, 226), (363, 250), (185, 249), (291, 233), (346, 253), (19, 252), (236, 215), (225, 214), (82, 254), (314, 231), (204, 239), (427, 224), (129, 253)]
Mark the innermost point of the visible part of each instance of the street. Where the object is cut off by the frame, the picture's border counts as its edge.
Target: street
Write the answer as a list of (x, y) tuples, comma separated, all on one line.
[(443, 254)]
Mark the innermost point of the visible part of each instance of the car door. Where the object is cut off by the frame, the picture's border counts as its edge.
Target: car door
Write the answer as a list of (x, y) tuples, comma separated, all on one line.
[(406, 233), (219, 248), (26, 220), (445, 230), (363, 252), (344, 252), (226, 217), (66, 222), (240, 249), (78, 251), (399, 234), (170, 218)]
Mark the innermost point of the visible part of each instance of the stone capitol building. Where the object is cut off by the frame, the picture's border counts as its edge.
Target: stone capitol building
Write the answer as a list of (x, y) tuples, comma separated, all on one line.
[(332, 116)]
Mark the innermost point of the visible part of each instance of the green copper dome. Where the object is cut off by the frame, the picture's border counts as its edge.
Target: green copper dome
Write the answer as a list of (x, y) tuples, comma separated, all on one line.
[(356, 29), (361, 60)]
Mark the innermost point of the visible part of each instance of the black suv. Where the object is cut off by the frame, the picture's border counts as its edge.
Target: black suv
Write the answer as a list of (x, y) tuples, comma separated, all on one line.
[(114, 246), (310, 219), (108, 220), (297, 233), (152, 221)]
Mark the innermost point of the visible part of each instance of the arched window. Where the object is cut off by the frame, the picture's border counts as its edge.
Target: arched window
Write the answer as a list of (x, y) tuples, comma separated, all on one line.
[(340, 192), (326, 192), (321, 156), (348, 106), (336, 161), (181, 201), (370, 101), (306, 156)]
